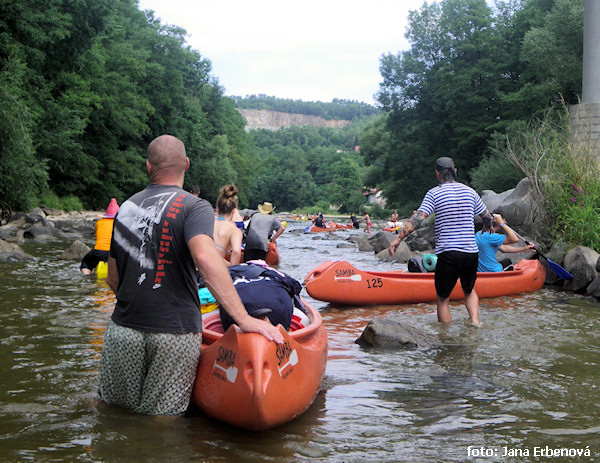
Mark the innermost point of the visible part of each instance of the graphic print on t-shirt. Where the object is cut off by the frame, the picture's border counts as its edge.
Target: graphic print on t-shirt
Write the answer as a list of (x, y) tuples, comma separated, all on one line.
[(143, 222)]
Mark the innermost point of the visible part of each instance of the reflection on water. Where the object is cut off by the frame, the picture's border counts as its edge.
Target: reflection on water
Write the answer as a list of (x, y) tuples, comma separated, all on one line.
[(528, 378)]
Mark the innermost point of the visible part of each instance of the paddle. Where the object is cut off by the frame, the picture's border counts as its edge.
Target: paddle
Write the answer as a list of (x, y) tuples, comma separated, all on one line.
[(230, 372), (292, 361), (560, 271), (355, 277)]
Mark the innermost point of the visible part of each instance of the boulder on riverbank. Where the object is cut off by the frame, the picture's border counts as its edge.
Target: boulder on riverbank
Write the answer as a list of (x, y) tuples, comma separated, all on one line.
[(519, 207), (389, 333), (44, 224), (581, 262), (77, 251), (10, 252)]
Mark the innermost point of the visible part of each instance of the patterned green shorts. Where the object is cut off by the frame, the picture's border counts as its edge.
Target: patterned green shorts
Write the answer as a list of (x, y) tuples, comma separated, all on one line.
[(149, 373)]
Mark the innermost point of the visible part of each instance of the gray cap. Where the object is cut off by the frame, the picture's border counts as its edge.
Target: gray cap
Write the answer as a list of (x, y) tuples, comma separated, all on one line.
[(444, 163)]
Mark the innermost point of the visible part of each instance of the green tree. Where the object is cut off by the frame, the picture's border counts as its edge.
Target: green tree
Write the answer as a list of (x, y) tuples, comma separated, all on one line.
[(550, 57), (347, 184), (22, 178), (214, 171), (469, 72)]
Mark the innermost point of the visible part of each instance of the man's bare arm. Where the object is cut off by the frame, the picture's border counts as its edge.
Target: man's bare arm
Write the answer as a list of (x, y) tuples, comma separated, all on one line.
[(487, 221), (413, 222)]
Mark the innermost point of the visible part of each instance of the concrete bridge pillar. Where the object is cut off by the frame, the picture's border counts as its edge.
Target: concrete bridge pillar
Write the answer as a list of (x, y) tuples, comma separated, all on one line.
[(585, 117)]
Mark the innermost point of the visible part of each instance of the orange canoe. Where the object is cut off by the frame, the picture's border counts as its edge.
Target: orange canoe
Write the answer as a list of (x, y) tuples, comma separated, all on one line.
[(331, 226), (340, 283), (316, 229), (272, 257), (339, 226), (247, 381)]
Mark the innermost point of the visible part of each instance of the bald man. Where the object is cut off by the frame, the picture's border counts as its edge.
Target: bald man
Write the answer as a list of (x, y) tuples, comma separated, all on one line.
[(161, 235)]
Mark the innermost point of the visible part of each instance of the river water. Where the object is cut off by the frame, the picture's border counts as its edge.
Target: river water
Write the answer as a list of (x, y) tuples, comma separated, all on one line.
[(521, 387)]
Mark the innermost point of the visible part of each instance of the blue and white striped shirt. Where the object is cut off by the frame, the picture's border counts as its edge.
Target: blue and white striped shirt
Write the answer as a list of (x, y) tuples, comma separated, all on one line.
[(455, 206)]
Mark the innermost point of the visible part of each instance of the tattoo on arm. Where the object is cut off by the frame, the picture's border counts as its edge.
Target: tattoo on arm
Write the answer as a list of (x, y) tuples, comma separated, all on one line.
[(412, 224)]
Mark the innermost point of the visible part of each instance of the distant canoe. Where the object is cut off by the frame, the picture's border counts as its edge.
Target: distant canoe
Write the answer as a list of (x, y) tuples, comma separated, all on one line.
[(247, 381), (331, 226), (339, 282)]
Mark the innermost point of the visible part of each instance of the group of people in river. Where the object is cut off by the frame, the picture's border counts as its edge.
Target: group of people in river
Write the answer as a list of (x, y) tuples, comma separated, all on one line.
[(163, 236), (319, 221)]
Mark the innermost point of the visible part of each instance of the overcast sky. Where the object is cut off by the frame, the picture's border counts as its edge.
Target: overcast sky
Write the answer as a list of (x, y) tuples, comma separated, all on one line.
[(313, 50)]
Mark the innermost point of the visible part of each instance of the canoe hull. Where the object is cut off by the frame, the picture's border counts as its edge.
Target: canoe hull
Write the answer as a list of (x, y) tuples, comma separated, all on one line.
[(316, 229), (341, 283), (331, 226), (272, 257), (252, 383)]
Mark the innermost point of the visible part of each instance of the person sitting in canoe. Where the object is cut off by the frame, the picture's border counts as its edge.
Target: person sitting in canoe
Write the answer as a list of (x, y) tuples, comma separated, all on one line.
[(455, 206), (318, 221), (394, 220), (499, 238)]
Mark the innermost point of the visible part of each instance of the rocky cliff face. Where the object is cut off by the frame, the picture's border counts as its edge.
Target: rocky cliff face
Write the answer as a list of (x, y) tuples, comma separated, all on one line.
[(273, 120)]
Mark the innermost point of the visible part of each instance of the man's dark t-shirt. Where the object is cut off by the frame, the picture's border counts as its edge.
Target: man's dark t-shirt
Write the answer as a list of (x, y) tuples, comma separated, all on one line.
[(158, 289)]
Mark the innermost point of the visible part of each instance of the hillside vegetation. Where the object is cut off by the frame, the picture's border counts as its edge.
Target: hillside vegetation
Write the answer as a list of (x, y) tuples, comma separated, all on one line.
[(85, 86), (337, 109)]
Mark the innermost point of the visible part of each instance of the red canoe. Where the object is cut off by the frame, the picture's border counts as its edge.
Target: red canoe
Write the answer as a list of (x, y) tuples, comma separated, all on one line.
[(341, 283), (247, 381)]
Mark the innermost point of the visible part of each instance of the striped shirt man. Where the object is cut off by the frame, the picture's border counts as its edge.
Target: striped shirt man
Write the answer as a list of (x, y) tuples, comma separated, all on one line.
[(455, 206)]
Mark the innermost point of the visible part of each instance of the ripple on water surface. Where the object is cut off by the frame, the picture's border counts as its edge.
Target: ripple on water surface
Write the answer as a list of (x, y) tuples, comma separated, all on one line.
[(528, 377)]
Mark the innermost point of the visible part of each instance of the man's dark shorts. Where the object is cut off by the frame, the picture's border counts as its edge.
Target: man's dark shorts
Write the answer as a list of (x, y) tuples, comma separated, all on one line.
[(452, 265), (254, 254)]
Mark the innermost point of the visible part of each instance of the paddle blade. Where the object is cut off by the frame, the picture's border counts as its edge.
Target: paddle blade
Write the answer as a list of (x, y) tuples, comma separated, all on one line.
[(561, 272)]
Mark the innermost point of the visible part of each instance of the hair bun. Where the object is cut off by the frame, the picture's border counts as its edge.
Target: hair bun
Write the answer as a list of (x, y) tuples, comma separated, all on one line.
[(230, 191)]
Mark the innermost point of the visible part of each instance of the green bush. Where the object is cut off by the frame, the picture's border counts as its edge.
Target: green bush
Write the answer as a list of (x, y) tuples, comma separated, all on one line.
[(320, 206), (579, 216), (71, 203), (495, 173), (51, 199), (565, 173), (67, 203)]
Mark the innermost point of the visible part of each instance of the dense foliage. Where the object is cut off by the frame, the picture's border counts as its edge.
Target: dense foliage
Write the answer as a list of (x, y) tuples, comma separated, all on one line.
[(336, 109), (301, 166), (470, 72), (564, 172), (86, 85)]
